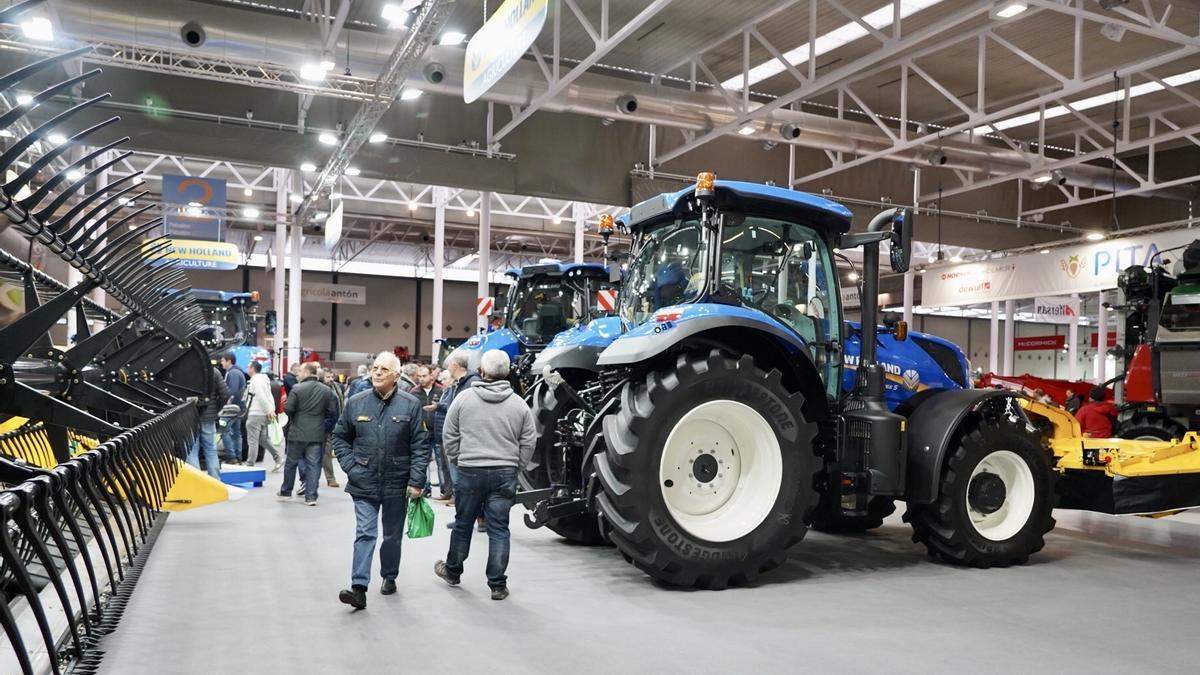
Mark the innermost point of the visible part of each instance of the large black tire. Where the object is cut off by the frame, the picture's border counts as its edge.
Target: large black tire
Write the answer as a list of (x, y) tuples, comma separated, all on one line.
[(547, 409), (633, 502), (828, 517), (1145, 427), (948, 526)]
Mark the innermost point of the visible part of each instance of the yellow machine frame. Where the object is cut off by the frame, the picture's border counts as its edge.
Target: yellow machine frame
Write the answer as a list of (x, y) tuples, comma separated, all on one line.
[(1114, 456)]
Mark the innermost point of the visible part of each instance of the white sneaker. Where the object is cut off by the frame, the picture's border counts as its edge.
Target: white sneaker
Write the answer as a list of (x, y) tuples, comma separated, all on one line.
[(278, 467), (283, 498), (312, 503)]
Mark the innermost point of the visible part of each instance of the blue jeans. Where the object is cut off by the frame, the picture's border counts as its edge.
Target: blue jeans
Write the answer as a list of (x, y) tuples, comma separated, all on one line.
[(366, 528), (306, 456), (487, 492), (231, 438), (206, 439)]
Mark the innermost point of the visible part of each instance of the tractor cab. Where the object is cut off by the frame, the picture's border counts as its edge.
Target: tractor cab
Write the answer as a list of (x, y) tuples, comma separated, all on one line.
[(548, 299), (231, 326)]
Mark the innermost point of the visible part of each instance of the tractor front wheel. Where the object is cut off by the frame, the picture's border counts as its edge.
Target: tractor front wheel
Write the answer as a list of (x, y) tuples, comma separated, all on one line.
[(707, 474), (994, 501)]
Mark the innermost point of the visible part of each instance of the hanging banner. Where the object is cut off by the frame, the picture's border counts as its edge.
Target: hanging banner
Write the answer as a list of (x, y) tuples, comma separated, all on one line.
[(1028, 344), (192, 206), (341, 294), (202, 255), (1055, 310), (1084, 268), (500, 43)]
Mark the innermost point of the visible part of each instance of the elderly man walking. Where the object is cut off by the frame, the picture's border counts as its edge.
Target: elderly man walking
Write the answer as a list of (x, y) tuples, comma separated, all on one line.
[(489, 435), (381, 444), (308, 405)]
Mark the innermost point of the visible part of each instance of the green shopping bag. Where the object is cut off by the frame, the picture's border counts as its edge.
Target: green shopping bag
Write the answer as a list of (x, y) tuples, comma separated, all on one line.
[(420, 518)]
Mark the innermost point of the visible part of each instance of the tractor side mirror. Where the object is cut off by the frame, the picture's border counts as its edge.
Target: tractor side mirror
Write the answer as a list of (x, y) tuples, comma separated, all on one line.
[(901, 251)]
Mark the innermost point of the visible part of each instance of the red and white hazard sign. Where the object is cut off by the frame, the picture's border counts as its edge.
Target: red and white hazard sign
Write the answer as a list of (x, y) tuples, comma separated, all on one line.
[(483, 306), (606, 300)]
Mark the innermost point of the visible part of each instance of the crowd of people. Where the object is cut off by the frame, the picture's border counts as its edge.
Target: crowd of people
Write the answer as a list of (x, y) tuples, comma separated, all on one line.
[(384, 427)]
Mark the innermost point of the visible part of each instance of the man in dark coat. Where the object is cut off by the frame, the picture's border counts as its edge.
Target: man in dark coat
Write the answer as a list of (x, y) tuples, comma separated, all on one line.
[(457, 365), (308, 405), (206, 440), (235, 380), (381, 444), (428, 392)]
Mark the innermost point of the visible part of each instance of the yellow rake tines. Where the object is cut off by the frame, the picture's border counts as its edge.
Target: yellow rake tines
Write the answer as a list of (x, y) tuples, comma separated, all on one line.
[(27, 443)]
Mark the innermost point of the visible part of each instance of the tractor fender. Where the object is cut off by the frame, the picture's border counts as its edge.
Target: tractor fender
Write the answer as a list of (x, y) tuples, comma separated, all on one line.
[(579, 347), (932, 428), (657, 336)]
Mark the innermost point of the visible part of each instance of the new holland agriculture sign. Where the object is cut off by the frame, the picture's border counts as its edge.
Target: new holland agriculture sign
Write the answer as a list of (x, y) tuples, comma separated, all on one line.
[(500, 44), (1072, 269), (203, 255)]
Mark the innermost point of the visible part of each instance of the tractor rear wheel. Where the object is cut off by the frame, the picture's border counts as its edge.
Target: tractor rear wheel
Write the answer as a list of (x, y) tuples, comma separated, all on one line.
[(1147, 428), (828, 515), (994, 501), (707, 473), (548, 409)]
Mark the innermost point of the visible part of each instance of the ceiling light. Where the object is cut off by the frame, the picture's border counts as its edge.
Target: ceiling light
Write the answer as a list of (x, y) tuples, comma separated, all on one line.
[(853, 276), (37, 28), (295, 199), (56, 138), (1044, 251), (138, 180), (835, 38), (1007, 9), (321, 216), (192, 210), (258, 237), (250, 212), (74, 174), (24, 99), (308, 167), (410, 94), (327, 138), (747, 130), (1095, 236), (123, 201), (377, 137), (956, 258), (394, 15), (412, 206), (452, 37), (313, 72), (1042, 178), (1091, 102), (470, 213), (194, 205), (327, 64), (921, 271), (352, 171), (247, 192), (557, 220)]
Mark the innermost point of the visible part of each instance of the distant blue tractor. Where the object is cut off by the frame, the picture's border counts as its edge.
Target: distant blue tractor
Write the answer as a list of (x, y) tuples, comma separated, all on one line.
[(543, 301), (231, 326), (728, 407)]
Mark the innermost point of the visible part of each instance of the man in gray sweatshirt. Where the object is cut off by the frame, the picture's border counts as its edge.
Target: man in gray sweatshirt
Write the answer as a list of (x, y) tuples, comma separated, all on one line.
[(488, 435)]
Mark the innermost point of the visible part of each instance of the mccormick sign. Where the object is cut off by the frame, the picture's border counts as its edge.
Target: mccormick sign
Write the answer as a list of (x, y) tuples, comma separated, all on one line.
[(1027, 344), (1083, 268)]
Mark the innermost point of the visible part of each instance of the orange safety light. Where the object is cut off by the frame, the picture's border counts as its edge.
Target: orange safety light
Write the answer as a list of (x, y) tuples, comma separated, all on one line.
[(705, 182), (607, 225)]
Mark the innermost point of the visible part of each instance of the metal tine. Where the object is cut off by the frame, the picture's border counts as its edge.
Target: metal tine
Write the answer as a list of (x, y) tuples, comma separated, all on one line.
[(99, 479), (19, 111), (60, 502), (89, 237), (91, 234), (64, 226), (14, 638), (78, 469), (121, 452), (119, 264), (18, 183), (47, 510), (37, 66), (10, 505), (145, 277), (73, 187), (124, 522), (129, 269), (26, 493), (11, 155), (87, 485), (116, 244), (34, 199)]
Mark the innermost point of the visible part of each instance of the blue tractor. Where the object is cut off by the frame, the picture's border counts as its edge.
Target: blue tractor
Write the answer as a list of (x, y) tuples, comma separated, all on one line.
[(231, 326), (544, 300), (728, 407)]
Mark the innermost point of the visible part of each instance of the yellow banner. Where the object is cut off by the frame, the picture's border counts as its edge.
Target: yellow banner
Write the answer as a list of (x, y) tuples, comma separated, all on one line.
[(203, 255)]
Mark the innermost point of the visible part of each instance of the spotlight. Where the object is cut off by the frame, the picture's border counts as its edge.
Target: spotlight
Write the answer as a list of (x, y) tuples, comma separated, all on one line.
[(1057, 177), (412, 206), (250, 212), (410, 94), (352, 171), (248, 192), (470, 213), (37, 28), (377, 137), (313, 72), (627, 104), (937, 158), (789, 131), (394, 15), (327, 138), (308, 167), (557, 220)]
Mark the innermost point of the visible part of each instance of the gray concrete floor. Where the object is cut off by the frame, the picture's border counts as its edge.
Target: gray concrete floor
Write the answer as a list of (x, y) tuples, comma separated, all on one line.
[(251, 587)]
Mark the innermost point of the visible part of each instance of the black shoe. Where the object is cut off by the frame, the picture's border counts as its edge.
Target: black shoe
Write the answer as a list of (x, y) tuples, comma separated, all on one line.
[(480, 527), (500, 593), (389, 587), (439, 568), (356, 597)]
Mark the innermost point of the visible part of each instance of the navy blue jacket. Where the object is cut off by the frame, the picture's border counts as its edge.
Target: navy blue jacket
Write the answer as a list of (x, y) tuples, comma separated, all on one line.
[(439, 415), (235, 379), (381, 444)]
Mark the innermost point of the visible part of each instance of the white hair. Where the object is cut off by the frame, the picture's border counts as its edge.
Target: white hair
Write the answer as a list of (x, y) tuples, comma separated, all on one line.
[(494, 365), (388, 360), (460, 359), (363, 370), (410, 369)]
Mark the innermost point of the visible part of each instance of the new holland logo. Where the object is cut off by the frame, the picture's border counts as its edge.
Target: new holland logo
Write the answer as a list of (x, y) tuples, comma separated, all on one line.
[(912, 379), (1072, 266)]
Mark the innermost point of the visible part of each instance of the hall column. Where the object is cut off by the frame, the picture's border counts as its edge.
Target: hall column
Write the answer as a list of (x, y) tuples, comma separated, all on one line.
[(485, 246), (1010, 332), (994, 339), (440, 197)]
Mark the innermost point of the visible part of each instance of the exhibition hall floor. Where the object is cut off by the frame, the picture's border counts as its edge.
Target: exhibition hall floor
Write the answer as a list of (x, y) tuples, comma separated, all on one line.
[(252, 587)]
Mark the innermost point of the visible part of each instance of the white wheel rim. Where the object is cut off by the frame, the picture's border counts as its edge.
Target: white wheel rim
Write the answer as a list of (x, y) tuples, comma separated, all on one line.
[(1011, 515), (721, 470)]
